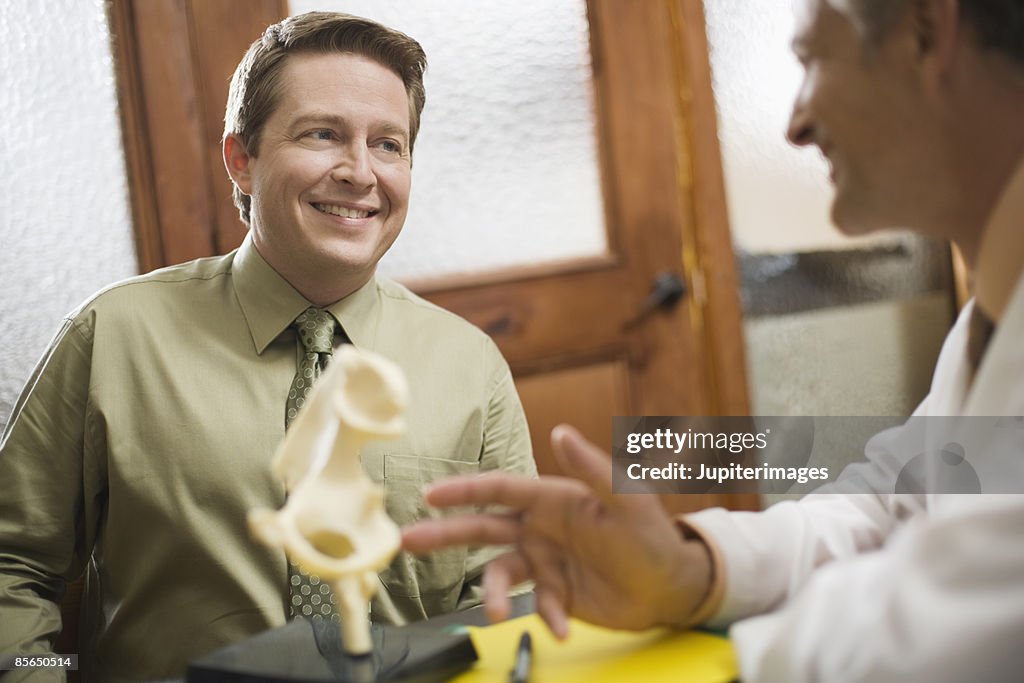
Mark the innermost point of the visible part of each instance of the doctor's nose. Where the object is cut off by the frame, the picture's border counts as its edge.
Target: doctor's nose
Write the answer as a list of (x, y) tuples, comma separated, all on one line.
[(800, 129)]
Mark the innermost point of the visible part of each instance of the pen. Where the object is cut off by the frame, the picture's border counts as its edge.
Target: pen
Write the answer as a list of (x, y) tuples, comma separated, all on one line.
[(524, 659)]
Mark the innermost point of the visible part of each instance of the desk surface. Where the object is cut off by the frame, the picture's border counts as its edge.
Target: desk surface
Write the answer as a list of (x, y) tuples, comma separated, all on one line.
[(591, 654)]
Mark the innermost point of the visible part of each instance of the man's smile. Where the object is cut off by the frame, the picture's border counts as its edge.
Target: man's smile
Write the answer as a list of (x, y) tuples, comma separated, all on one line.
[(343, 211)]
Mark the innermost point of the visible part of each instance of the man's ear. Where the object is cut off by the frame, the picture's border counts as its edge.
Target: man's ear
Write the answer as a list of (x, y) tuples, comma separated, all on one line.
[(936, 25), (236, 161)]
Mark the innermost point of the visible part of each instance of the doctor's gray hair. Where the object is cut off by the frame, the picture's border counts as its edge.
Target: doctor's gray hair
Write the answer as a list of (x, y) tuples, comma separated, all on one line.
[(998, 25)]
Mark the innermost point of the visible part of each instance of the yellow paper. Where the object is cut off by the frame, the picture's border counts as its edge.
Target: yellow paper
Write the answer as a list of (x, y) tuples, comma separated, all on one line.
[(592, 654)]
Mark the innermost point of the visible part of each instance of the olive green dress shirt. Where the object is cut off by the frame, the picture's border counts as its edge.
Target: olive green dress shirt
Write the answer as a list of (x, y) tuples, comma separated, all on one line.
[(145, 435)]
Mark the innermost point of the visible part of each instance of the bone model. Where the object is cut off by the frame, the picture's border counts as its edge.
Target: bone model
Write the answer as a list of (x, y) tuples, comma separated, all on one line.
[(334, 524)]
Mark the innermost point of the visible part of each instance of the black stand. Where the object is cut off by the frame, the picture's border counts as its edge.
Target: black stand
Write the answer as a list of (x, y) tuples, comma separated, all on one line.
[(305, 650)]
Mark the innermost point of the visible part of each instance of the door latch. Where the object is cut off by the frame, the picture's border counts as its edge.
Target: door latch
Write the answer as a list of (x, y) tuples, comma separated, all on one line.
[(667, 291)]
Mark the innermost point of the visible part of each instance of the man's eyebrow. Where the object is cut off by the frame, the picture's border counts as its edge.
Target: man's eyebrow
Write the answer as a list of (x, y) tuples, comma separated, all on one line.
[(393, 129), (317, 117), (334, 120)]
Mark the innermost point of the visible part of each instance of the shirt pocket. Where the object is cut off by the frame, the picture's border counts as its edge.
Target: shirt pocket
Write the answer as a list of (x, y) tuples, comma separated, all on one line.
[(437, 574)]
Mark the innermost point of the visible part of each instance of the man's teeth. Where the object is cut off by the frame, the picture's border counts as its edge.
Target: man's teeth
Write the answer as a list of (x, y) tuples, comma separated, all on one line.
[(341, 211)]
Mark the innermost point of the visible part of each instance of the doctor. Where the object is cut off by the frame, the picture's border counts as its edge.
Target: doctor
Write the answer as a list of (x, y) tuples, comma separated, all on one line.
[(918, 105)]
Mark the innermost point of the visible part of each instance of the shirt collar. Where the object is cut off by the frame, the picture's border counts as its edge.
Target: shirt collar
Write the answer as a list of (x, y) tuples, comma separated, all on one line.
[(269, 304), (358, 313)]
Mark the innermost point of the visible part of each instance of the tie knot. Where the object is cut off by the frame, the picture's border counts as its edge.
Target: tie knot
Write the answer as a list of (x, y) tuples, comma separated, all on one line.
[(316, 330)]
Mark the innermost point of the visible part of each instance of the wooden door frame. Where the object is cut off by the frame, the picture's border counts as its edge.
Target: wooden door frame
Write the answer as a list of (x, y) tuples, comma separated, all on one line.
[(170, 57)]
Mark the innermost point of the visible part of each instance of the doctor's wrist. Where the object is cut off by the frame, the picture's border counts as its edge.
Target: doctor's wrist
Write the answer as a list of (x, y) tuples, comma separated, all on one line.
[(701, 572)]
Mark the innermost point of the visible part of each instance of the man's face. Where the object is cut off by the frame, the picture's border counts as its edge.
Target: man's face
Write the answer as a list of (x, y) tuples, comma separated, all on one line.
[(330, 180), (863, 111)]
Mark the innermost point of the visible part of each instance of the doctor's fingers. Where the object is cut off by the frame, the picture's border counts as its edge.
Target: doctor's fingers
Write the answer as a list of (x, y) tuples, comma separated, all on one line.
[(548, 563), (550, 585), (500, 574), (498, 488), (429, 535), (583, 460), (592, 466)]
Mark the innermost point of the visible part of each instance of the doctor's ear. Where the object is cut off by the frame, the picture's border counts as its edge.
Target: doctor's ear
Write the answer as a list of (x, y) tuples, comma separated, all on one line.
[(236, 161), (936, 25)]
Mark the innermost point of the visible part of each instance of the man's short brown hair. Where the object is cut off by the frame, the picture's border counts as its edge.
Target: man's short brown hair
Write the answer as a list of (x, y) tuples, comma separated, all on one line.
[(256, 84)]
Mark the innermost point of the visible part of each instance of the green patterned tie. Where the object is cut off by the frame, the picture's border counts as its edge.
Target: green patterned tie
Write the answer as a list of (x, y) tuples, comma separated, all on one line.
[(315, 328)]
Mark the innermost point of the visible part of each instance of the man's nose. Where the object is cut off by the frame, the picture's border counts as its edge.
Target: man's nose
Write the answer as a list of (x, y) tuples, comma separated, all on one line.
[(354, 167)]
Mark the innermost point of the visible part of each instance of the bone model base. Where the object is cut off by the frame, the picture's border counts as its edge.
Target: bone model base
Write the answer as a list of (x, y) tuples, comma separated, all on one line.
[(334, 524)]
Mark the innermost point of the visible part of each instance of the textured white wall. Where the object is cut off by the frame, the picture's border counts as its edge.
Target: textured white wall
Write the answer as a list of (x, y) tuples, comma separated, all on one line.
[(506, 169), (65, 227)]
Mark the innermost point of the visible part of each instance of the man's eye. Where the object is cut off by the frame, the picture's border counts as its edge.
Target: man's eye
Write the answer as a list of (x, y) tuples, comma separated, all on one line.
[(391, 146), (321, 134)]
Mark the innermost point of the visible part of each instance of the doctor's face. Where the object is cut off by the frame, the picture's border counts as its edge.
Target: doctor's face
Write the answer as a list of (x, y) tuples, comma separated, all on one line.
[(861, 106)]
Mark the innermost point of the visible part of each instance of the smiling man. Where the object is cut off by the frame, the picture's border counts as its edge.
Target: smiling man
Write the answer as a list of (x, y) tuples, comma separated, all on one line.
[(146, 432), (918, 106), (329, 173)]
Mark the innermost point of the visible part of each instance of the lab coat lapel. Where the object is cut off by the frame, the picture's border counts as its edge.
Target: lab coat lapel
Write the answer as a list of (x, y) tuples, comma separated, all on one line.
[(999, 385)]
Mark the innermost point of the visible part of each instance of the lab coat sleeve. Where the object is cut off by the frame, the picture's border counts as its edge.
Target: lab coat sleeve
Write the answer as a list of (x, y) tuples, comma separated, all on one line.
[(767, 557), (942, 602)]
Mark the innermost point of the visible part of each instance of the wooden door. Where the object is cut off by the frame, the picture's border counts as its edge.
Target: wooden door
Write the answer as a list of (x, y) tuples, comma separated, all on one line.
[(573, 332)]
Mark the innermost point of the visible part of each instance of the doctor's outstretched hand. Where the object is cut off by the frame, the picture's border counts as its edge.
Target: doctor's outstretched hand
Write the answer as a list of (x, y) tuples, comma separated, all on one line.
[(615, 560)]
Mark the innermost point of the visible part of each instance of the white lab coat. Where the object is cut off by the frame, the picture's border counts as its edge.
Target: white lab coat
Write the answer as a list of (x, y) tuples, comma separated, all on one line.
[(884, 587)]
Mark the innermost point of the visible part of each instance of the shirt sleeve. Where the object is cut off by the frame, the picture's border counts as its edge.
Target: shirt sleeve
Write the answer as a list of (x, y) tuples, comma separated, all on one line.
[(506, 447), (44, 513)]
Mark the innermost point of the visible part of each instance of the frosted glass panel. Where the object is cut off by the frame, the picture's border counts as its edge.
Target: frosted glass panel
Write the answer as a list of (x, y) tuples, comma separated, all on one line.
[(506, 165), (65, 227)]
